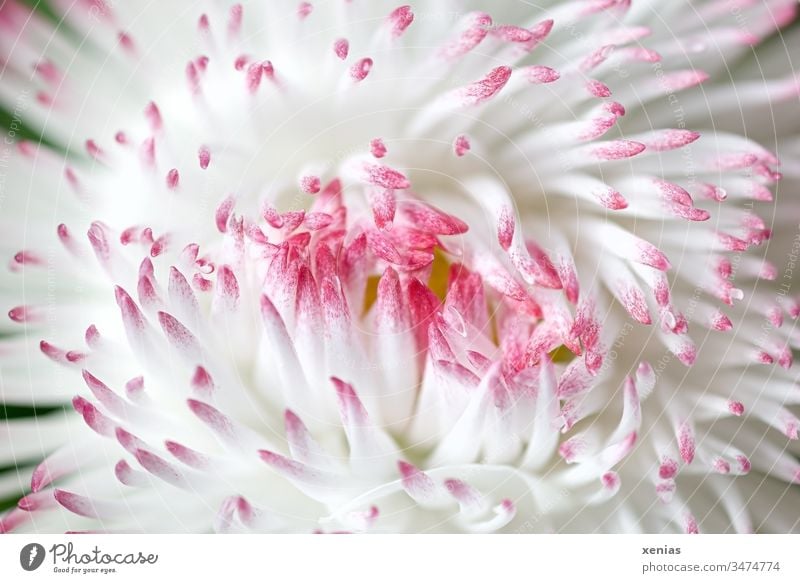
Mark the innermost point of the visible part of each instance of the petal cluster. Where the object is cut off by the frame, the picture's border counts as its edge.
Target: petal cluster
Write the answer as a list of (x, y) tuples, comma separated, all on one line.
[(418, 270)]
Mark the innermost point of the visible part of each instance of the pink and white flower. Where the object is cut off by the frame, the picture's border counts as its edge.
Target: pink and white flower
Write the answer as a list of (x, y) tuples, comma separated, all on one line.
[(348, 266)]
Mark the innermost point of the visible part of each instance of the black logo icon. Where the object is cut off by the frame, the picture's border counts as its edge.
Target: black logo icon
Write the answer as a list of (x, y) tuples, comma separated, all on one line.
[(31, 556)]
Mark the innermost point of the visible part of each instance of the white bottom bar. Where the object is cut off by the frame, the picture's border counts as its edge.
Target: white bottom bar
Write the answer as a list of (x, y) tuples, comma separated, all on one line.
[(400, 558)]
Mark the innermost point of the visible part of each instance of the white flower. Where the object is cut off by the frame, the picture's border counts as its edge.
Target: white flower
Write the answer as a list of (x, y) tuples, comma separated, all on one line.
[(349, 266)]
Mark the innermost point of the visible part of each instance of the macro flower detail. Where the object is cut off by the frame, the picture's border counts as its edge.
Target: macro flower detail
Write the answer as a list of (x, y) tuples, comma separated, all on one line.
[(349, 266)]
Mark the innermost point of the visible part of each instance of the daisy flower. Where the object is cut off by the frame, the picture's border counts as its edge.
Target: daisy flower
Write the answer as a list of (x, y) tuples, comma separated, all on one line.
[(453, 266)]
